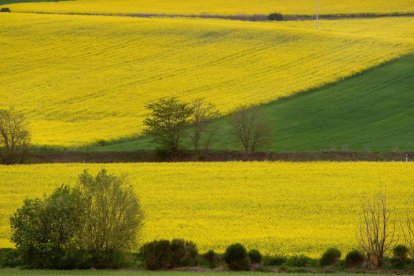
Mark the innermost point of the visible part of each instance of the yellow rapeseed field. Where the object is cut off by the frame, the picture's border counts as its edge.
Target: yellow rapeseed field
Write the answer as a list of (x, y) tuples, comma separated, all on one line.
[(279, 208), (84, 78), (222, 7)]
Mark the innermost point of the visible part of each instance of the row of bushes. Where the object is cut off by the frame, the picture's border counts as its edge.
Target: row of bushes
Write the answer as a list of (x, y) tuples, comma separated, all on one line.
[(164, 254)]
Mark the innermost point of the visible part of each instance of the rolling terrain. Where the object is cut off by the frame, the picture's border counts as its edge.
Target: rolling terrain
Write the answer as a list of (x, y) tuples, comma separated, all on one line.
[(80, 79), (83, 71), (369, 112)]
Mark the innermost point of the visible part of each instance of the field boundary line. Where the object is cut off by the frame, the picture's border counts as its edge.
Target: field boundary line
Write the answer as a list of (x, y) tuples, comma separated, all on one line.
[(241, 17)]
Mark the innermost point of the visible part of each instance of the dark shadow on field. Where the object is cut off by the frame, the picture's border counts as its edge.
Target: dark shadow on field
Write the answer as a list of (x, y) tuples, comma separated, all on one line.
[(4, 2)]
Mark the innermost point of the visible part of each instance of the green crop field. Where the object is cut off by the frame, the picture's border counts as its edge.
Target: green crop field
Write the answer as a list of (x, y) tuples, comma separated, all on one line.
[(370, 112)]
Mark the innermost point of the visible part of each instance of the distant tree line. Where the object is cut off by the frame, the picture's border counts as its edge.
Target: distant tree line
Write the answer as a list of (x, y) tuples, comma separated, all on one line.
[(171, 121), (172, 124)]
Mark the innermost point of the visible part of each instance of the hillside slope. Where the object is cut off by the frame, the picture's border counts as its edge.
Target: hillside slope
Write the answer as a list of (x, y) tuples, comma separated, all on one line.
[(370, 112), (214, 7), (80, 79)]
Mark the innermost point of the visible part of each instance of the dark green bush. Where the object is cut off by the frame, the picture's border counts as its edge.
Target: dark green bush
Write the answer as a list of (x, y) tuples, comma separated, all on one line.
[(255, 256), (66, 229), (164, 254), (400, 254), (212, 258), (354, 258), (299, 261), (157, 255), (184, 253), (45, 231), (137, 259), (236, 257), (102, 142), (10, 257), (274, 260), (275, 17), (330, 257)]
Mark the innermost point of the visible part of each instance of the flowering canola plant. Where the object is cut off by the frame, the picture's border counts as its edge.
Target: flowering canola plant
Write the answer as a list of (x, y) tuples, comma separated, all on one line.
[(277, 207), (219, 7), (80, 79)]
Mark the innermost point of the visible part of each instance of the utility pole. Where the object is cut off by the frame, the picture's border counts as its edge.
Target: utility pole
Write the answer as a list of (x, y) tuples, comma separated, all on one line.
[(317, 15)]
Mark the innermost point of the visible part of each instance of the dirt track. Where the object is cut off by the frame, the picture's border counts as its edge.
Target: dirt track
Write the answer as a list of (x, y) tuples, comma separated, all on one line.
[(149, 156)]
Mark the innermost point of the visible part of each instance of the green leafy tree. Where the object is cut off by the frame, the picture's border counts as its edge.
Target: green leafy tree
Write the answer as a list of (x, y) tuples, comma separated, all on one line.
[(91, 225), (113, 218), (166, 123), (14, 135), (46, 231)]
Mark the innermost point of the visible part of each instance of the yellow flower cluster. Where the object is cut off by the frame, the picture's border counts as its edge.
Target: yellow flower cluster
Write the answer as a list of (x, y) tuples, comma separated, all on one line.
[(279, 208), (222, 7), (79, 79)]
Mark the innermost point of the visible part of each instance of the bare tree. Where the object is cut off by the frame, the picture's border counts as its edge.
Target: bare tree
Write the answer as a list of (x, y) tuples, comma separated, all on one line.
[(202, 129), (14, 134), (251, 128), (376, 230), (408, 231), (167, 121)]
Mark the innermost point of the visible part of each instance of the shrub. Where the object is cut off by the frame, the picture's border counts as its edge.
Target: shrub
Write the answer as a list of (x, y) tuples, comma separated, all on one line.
[(184, 253), (330, 257), (255, 256), (102, 142), (299, 261), (274, 260), (107, 199), (10, 257), (354, 258), (157, 254), (236, 257), (275, 17), (91, 225), (164, 254), (137, 259), (212, 258), (400, 253), (5, 10), (45, 231)]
